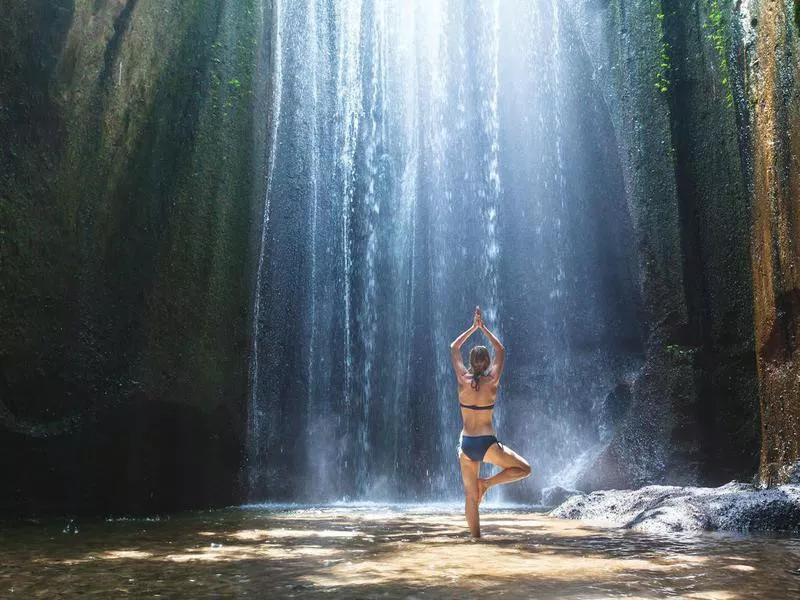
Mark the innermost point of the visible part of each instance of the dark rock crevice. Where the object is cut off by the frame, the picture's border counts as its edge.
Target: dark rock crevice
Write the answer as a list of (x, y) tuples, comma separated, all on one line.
[(121, 25)]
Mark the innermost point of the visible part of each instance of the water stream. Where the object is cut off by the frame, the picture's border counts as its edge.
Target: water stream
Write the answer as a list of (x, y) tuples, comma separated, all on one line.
[(425, 157), (384, 551)]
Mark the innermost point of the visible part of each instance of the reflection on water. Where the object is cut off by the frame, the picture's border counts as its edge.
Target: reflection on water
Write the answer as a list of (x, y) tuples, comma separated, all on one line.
[(385, 552)]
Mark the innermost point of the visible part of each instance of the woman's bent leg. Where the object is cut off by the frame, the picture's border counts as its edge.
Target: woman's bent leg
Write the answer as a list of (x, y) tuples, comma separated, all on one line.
[(469, 474), (514, 466)]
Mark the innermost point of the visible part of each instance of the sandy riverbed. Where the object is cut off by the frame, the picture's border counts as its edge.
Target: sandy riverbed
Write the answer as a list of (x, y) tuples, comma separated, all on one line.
[(386, 552)]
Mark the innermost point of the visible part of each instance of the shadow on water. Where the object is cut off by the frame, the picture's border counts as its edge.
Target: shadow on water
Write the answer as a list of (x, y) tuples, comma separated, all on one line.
[(369, 552)]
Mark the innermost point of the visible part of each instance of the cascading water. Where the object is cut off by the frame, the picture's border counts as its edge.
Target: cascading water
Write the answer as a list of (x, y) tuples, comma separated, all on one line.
[(427, 156)]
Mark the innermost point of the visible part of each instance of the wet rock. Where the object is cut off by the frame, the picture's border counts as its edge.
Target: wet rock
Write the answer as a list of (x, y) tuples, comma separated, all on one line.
[(793, 473), (70, 527), (773, 73), (555, 495), (143, 457), (663, 509)]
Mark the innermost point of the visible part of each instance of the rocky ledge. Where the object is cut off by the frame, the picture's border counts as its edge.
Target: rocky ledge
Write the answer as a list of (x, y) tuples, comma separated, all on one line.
[(663, 509)]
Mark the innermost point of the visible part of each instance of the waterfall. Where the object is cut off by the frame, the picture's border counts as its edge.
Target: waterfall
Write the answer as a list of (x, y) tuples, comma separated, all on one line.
[(426, 156), (256, 416)]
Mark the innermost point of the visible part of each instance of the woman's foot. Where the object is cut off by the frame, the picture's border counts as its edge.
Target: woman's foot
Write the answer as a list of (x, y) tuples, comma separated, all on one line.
[(483, 487)]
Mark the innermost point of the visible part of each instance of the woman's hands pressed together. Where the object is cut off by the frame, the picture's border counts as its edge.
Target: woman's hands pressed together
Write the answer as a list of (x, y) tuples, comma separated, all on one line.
[(477, 319)]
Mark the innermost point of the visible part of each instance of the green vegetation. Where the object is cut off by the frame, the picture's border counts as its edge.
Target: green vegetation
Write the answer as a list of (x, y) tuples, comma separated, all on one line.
[(716, 27), (680, 351), (664, 66)]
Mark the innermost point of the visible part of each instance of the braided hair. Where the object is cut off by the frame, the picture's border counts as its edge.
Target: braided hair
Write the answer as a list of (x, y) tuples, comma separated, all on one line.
[(478, 355)]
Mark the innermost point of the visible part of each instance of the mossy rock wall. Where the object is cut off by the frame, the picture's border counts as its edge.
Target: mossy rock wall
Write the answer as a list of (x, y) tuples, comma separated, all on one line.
[(130, 174), (663, 69), (707, 108)]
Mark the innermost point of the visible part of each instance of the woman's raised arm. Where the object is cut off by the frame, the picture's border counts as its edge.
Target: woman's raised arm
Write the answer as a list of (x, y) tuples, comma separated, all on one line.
[(499, 350), (455, 345)]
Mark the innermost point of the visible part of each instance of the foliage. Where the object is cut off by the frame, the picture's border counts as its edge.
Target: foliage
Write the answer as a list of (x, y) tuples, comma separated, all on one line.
[(664, 66), (716, 27), (680, 351)]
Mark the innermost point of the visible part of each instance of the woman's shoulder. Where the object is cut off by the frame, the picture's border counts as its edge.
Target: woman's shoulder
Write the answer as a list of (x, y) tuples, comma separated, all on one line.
[(464, 379), (492, 376)]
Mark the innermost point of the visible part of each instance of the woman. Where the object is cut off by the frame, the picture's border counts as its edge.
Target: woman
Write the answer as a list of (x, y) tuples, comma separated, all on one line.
[(477, 393)]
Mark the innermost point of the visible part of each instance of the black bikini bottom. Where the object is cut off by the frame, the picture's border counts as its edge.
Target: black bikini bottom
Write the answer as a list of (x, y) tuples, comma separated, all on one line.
[(475, 446)]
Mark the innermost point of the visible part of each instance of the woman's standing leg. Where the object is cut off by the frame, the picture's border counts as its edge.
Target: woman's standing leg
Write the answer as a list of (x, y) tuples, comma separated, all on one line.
[(469, 474)]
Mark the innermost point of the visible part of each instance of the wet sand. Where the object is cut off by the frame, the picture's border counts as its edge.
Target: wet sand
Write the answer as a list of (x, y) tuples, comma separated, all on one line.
[(385, 552)]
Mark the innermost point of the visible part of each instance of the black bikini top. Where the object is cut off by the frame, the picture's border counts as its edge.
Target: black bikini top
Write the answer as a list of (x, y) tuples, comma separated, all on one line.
[(476, 407)]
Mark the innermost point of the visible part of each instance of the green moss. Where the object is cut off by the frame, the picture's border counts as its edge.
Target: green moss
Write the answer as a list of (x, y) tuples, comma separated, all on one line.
[(717, 29), (664, 64), (797, 13), (680, 351)]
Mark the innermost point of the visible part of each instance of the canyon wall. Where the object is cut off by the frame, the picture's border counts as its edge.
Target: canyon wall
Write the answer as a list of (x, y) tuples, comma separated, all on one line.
[(131, 195), (663, 68), (127, 186), (773, 77)]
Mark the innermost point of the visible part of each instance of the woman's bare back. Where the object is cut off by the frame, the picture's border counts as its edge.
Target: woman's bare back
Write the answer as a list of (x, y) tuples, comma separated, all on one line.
[(477, 422)]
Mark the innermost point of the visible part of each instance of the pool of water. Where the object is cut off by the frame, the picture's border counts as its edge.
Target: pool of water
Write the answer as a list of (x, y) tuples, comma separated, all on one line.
[(383, 551)]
